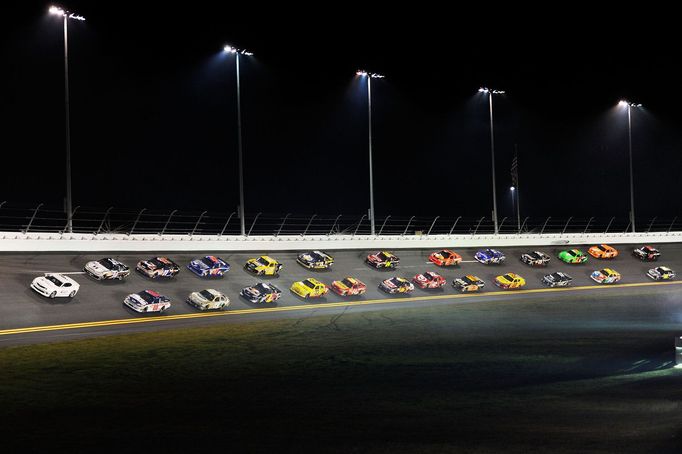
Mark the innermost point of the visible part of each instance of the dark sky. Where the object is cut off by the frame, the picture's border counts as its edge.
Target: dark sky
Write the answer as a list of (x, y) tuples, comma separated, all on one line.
[(154, 119)]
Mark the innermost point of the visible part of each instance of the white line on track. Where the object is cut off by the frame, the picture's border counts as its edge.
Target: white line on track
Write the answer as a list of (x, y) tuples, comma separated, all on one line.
[(54, 272)]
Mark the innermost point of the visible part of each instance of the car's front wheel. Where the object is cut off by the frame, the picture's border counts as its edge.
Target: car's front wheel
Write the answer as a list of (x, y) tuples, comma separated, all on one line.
[(72, 294), (53, 294)]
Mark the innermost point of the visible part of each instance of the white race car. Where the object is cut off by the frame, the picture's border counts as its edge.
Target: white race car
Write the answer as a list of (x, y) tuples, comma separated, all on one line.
[(107, 268), (147, 301), (55, 285), (208, 299)]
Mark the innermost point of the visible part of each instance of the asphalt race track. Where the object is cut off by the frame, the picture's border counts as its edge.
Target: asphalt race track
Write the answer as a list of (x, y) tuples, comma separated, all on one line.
[(26, 317)]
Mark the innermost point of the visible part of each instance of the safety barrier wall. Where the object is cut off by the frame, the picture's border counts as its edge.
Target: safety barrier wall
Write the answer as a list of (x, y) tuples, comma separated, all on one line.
[(65, 242)]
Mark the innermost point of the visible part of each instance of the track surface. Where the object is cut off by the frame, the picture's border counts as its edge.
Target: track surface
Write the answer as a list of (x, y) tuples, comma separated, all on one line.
[(20, 307)]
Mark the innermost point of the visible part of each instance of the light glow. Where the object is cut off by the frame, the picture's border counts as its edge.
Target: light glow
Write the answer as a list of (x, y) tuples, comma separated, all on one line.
[(626, 103), (57, 11), (491, 91), (233, 50), (512, 188), (362, 72)]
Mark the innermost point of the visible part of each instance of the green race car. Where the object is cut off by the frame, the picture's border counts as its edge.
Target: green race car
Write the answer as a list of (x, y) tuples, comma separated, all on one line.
[(572, 256)]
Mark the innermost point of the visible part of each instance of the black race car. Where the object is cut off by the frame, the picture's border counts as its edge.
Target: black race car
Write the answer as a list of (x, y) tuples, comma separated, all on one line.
[(557, 279), (315, 260), (647, 253), (261, 293), (535, 258)]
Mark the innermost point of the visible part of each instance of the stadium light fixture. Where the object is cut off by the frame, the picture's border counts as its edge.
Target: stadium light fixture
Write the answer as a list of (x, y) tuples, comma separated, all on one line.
[(490, 92), (629, 105)]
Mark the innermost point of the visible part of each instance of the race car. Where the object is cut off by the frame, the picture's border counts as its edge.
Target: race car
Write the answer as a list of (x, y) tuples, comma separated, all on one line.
[(661, 273), (158, 267), (382, 260), (490, 257), (315, 260), (603, 251), (263, 266), (557, 279), (107, 268), (605, 276), (445, 257), (53, 285), (209, 266), (429, 279), (573, 256), (309, 288), (349, 286), (208, 299), (510, 281), (261, 293), (647, 253), (535, 258), (468, 283), (396, 285), (147, 301)]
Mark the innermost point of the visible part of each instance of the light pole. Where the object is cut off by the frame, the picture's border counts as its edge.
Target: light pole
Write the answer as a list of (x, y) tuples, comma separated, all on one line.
[(369, 77), (66, 15), (629, 106), (237, 52), (515, 205), (490, 93)]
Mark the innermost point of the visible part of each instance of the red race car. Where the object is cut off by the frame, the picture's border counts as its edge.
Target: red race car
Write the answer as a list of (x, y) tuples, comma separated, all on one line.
[(445, 258), (349, 286), (429, 279)]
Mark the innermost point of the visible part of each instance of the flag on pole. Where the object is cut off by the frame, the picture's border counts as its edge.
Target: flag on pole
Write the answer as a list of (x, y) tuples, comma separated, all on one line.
[(515, 171)]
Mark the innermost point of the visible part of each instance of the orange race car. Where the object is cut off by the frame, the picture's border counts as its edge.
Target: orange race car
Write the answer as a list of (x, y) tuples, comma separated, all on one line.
[(445, 257), (603, 251)]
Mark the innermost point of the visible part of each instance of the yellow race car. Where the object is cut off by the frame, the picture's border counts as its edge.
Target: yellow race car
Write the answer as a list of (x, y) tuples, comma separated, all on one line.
[(510, 281), (263, 266), (309, 288)]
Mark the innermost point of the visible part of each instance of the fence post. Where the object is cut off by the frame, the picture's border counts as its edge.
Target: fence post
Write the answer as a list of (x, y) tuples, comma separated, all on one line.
[(566, 226), (453, 225), (334, 225), (609, 225), (137, 220), (651, 223), (545, 225), (523, 225), (407, 226), (628, 227), (432, 224), (588, 225), (499, 229), (101, 224), (384, 223), (70, 221), (282, 224), (228, 221), (168, 221), (669, 228), (308, 226), (2, 203), (32, 218), (478, 225), (359, 224), (254, 223), (201, 216)]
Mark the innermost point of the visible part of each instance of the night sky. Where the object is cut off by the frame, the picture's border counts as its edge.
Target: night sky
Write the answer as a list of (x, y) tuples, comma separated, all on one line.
[(153, 111)]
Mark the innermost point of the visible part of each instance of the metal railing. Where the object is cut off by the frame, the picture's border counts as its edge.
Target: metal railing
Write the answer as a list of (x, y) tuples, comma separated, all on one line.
[(41, 218)]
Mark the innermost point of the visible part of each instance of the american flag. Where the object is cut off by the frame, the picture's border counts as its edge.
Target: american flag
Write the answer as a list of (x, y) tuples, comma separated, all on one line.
[(515, 171)]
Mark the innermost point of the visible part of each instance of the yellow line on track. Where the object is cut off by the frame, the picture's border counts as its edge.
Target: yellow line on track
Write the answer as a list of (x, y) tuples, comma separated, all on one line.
[(166, 318)]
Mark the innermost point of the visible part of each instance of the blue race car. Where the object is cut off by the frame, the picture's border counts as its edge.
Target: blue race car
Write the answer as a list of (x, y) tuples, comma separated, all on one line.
[(209, 266), (490, 257)]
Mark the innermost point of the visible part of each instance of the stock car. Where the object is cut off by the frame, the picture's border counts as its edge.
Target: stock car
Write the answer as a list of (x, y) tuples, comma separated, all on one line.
[(468, 283), (603, 251), (208, 299), (445, 257), (315, 260), (349, 286), (263, 266), (309, 288), (573, 256), (158, 267), (605, 276), (535, 258), (510, 281), (396, 285), (661, 273), (490, 256), (147, 301), (53, 285), (647, 253), (557, 279), (261, 293), (107, 268), (382, 260), (209, 266), (429, 279)]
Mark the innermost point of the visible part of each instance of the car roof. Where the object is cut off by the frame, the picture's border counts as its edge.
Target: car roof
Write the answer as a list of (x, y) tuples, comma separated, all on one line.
[(62, 277)]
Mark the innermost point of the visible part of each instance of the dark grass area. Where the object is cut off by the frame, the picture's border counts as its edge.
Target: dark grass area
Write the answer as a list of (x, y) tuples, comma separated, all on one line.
[(571, 375)]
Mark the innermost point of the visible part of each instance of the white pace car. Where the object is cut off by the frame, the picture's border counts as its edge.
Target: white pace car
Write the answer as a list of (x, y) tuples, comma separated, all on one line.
[(106, 269), (208, 299), (147, 301), (53, 285)]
